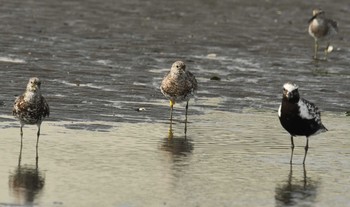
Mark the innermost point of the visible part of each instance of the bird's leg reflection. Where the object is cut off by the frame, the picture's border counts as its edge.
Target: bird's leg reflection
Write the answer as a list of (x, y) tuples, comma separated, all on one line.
[(177, 145), (26, 182), (290, 175), (294, 191), (170, 132), (305, 177)]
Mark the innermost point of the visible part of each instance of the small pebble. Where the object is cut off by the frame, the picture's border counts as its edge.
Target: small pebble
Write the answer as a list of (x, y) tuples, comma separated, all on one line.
[(216, 78)]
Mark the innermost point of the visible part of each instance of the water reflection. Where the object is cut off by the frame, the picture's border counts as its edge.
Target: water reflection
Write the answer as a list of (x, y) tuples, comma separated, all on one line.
[(177, 145), (296, 192), (26, 182)]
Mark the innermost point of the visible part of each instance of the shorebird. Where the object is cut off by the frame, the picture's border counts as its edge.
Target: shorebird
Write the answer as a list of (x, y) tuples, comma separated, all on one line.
[(31, 107), (322, 28), (299, 116), (178, 85)]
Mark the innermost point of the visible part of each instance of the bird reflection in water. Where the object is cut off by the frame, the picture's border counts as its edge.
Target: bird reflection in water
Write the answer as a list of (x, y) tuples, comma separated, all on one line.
[(177, 145), (26, 182), (296, 192)]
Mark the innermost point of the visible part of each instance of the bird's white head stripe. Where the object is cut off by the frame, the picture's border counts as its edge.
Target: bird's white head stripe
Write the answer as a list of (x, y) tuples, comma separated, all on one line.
[(290, 87)]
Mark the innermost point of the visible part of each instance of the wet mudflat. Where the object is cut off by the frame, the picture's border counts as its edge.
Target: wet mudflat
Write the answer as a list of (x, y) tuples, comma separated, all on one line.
[(242, 160), (99, 61)]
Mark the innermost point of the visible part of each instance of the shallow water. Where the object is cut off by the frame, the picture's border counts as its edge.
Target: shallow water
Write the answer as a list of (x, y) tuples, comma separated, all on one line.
[(100, 61), (224, 159)]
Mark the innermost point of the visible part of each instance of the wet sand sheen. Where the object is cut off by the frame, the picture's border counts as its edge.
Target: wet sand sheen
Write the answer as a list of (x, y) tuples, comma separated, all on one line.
[(226, 159)]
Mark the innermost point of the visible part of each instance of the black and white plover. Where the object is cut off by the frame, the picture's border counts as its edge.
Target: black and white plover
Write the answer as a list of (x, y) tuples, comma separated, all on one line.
[(322, 28), (178, 85), (31, 107), (299, 116)]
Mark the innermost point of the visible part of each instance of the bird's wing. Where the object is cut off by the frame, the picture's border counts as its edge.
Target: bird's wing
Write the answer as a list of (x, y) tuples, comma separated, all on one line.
[(163, 81), (46, 108), (333, 24), (308, 110), (193, 81), (17, 104)]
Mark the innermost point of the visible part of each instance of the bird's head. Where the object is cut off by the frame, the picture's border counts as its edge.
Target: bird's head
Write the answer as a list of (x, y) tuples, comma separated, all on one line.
[(178, 67), (33, 84), (317, 12), (290, 92)]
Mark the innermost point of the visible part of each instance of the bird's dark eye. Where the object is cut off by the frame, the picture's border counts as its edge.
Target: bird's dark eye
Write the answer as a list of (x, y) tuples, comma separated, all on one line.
[(177, 66)]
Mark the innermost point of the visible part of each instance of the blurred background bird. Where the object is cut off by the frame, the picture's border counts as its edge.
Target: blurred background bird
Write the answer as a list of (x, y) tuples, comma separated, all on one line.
[(322, 28)]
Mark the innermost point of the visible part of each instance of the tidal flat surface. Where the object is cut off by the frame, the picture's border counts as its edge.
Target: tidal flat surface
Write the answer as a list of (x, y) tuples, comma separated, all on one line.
[(224, 159), (100, 61)]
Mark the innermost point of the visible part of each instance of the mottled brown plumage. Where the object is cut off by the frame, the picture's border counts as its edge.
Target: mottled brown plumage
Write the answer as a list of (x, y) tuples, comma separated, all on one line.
[(31, 107), (322, 28), (178, 85)]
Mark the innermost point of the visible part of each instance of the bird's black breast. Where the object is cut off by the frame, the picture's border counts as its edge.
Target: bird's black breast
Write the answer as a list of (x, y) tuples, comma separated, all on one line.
[(292, 121)]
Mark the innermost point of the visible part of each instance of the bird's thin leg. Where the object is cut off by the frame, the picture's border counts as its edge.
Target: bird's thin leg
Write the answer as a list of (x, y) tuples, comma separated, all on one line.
[(186, 112), (20, 153), (316, 49), (306, 149), (292, 147), (21, 131), (171, 110), (326, 51), (37, 141), (37, 162), (185, 129)]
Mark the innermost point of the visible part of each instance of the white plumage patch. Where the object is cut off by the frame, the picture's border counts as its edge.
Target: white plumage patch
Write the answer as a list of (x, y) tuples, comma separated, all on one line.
[(308, 110), (279, 110), (29, 96), (290, 87)]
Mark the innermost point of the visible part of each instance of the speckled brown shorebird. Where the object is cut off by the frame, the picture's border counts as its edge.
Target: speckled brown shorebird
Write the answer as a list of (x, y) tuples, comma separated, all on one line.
[(31, 107), (178, 85), (322, 28)]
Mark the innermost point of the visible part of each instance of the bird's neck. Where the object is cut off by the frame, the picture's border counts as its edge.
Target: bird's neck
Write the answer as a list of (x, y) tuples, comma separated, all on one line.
[(293, 100), (175, 75), (317, 19), (29, 96)]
